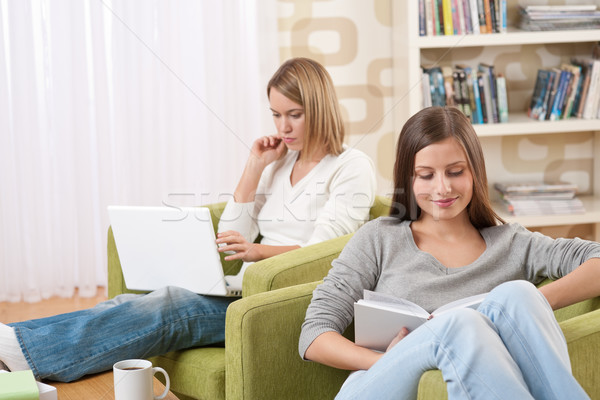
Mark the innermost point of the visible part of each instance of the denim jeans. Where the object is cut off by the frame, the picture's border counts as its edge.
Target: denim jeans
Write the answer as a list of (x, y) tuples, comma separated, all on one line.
[(67, 346), (510, 348)]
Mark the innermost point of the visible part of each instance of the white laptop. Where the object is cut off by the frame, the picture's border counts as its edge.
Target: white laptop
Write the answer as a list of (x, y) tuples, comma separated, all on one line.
[(169, 246)]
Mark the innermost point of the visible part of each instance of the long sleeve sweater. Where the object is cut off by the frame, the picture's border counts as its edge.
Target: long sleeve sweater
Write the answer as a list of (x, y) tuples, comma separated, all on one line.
[(333, 199), (382, 256)]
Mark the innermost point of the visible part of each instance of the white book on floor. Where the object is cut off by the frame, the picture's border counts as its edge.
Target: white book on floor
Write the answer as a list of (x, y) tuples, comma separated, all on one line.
[(378, 318)]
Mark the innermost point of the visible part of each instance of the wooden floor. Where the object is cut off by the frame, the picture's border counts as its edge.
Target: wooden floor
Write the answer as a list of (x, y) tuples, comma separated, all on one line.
[(21, 311)]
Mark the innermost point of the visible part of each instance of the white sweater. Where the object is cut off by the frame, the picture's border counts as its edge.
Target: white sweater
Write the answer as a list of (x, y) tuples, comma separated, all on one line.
[(333, 199)]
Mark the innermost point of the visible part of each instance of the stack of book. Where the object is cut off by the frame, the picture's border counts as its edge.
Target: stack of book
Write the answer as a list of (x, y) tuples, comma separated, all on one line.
[(461, 17), (571, 91), (479, 92), (553, 18), (540, 198)]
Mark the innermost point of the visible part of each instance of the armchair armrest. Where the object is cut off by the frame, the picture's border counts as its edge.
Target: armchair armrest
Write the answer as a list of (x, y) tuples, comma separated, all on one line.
[(261, 352), (307, 264), (582, 334)]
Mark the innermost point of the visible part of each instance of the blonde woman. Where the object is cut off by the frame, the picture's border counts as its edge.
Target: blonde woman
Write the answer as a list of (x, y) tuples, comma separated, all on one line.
[(300, 186)]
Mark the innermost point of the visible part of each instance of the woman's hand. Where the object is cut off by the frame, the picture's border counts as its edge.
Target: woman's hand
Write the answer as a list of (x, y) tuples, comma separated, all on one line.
[(267, 149), (235, 242), (401, 335)]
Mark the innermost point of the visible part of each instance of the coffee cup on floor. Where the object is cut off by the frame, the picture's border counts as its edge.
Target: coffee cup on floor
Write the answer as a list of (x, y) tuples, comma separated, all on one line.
[(134, 380)]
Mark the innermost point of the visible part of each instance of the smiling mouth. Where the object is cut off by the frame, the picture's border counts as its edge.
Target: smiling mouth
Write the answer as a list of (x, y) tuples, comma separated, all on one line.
[(444, 202)]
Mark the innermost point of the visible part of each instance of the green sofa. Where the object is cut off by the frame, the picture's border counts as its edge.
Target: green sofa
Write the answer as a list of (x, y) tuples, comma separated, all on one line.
[(202, 373)]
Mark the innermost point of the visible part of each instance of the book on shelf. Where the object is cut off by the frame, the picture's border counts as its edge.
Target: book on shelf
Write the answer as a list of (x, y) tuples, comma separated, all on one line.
[(539, 198), (461, 17), (477, 92), (543, 18), (533, 188), (571, 91), (378, 317), (527, 207)]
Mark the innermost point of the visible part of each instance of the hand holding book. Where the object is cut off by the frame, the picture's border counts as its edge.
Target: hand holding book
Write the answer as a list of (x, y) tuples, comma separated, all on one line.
[(378, 318)]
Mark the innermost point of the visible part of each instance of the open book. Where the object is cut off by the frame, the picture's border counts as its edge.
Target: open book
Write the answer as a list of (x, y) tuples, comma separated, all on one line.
[(379, 317)]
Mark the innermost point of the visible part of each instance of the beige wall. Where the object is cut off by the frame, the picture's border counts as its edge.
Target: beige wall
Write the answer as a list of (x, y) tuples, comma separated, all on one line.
[(353, 40)]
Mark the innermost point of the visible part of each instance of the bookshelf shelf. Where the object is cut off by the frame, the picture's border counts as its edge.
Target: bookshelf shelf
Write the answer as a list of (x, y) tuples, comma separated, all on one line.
[(521, 124), (411, 51), (513, 36)]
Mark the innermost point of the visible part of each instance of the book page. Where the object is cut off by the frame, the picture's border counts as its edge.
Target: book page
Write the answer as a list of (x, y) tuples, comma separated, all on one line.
[(395, 302), (467, 302)]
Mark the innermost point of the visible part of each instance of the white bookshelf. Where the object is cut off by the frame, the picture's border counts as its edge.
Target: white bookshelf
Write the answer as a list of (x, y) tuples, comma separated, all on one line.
[(408, 47)]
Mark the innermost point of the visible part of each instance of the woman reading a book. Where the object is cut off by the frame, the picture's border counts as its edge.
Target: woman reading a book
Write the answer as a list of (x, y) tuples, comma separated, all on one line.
[(299, 187), (443, 242)]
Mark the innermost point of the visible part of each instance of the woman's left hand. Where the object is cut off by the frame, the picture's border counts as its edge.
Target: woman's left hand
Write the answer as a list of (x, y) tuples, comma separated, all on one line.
[(233, 241), (401, 335)]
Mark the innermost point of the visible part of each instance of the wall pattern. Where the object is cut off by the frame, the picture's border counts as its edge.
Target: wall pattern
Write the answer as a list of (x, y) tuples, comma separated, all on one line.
[(353, 40)]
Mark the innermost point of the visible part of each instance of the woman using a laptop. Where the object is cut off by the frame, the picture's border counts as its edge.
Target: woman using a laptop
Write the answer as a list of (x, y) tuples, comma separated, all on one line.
[(300, 186)]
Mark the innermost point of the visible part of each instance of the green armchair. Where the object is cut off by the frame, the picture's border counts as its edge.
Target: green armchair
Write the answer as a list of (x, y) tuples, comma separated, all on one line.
[(204, 373), (262, 349)]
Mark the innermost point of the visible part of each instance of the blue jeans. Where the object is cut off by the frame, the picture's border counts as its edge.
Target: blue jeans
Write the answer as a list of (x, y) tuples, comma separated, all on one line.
[(66, 347), (510, 348)]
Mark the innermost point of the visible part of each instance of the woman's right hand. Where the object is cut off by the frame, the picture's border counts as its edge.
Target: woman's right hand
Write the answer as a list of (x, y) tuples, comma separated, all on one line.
[(267, 149), (401, 335)]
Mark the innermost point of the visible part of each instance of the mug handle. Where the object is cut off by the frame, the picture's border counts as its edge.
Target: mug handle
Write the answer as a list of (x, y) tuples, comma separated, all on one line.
[(167, 381)]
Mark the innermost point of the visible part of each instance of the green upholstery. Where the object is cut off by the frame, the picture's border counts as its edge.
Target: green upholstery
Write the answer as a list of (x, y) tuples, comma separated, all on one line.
[(262, 349), (200, 373)]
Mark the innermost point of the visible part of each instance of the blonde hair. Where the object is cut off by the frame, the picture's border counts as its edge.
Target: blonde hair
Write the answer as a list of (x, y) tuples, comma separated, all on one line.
[(306, 82)]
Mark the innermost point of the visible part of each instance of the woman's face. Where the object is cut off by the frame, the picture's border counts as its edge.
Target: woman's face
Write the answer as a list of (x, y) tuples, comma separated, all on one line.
[(442, 182), (289, 119)]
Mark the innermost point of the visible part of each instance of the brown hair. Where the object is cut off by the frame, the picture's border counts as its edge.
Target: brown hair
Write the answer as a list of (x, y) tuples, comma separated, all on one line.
[(432, 125), (306, 82)]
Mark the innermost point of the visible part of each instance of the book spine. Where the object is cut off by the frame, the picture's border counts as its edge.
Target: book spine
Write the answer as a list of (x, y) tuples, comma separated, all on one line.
[(493, 16), (539, 91), (447, 7), (555, 112), (503, 11), (486, 101), (455, 22), (488, 16), (460, 15), (440, 4), (464, 94), (422, 26), (477, 110), (467, 12), (435, 16), (457, 92), (491, 77), (481, 13), (547, 95), (425, 89), (591, 103), (429, 18), (502, 99), (474, 17), (553, 91)]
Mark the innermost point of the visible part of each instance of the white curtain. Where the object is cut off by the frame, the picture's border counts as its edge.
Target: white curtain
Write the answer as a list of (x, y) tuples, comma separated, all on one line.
[(131, 102)]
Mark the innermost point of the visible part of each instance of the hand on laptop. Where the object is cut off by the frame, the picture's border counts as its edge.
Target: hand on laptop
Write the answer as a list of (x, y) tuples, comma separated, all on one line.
[(233, 243)]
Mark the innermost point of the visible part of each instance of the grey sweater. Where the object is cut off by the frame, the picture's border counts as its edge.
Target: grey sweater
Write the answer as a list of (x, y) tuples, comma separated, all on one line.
[(382, 256)]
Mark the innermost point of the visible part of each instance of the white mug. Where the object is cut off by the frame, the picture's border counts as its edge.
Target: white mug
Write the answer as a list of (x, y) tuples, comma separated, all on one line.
[(134, 380)]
